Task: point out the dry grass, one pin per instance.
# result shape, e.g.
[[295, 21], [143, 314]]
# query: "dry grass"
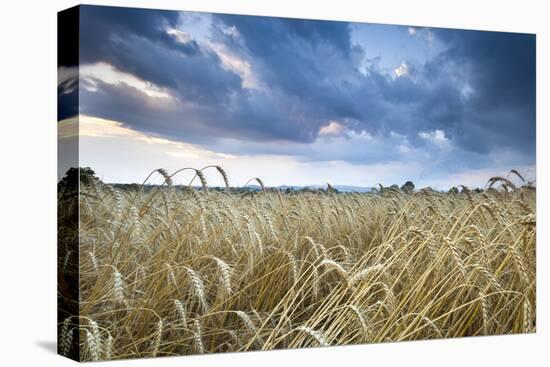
[[175, 272]]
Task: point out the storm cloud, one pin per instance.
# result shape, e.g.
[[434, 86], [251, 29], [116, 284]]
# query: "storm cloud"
[[262, 85]]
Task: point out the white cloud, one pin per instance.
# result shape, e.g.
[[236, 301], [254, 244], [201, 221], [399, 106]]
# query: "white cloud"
[[436, 137], [236, 64], [199, 27], [109, 74], [333, 128], [363, 134], [231, 31], [466, 91], [89, 126], [402, 70], [179, 35], [425, 33], [68, 77]]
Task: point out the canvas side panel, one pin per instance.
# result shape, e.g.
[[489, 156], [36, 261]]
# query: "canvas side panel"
[[68, 184]]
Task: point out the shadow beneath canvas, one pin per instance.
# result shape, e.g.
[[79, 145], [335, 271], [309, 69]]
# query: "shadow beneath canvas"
[[48, 345]]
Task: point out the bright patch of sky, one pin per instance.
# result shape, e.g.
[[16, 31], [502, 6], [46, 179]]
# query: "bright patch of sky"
[[391, 46]]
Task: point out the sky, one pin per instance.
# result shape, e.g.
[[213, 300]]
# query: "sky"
[[298, 102]]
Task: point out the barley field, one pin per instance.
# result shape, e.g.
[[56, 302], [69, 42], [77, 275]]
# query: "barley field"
[[171, 270]]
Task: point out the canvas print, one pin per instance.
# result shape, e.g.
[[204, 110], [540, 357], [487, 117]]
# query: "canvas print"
[[233, 183]]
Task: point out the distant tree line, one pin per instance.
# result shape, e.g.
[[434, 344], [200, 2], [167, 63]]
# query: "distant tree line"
[[87, 176]]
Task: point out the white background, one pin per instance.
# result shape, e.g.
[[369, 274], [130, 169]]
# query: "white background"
[[28, 182]]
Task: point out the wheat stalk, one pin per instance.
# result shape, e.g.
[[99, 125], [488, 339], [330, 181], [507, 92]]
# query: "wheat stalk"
[[224, 176], [198, 288], [315, 334], [225, 274], [197, 337], [181, 311], [92, 346], [66, 339], [157, 338], [365, 273], [118, 287], [202, 178]]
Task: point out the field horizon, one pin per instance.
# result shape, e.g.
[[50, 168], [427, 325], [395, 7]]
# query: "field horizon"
[[254, 186]]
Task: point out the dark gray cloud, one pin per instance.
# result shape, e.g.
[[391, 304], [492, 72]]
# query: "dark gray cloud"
[[479, 90], [136, 41], [103, 27], [501, 70]]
